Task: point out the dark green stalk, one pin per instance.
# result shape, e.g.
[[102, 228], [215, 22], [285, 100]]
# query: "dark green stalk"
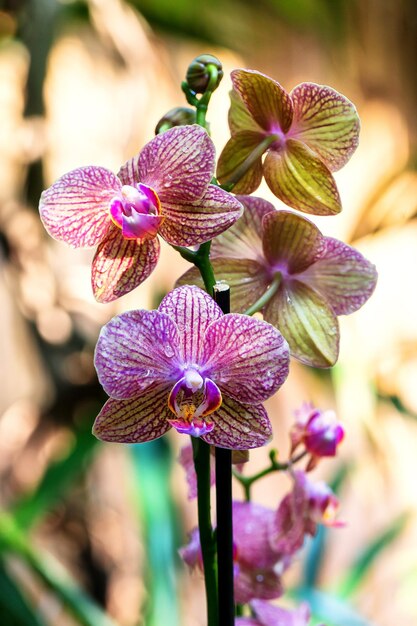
[[224, 531], [247, 481], [201, 455], [265, 297]]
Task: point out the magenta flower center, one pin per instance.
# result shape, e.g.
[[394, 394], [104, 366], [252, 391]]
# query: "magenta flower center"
[[137, 211], [192, 399], [279, 143]]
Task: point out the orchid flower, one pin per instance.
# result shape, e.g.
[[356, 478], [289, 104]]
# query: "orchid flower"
[[314, 278], [189, 366], [299, 513], [257, 567], [268, 615], [163, 190], [306, 135], [318, 431]]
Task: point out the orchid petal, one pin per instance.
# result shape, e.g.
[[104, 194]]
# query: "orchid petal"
[[135, 420], [291, 241], [268, 103], [192, 310], [178, 164], [247, 358], [75, 209], [257, 583], [254, 549], [270, 615], [327, 122], [343, 276], [238, 150], [120, 264], [247, 280], [239, 117], [239, 427], [199, 221], [134, 350], [247, 621], [300, 179], [307, 322], [244, 239]]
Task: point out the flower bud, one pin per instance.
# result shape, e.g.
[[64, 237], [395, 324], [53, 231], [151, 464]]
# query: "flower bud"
[[198, 76], [180, 116], [319, 431]]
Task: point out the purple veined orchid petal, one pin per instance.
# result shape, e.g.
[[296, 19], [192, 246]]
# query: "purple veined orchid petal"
[[137, 349], [199, 221], [235, 154], [291, 243], [239, 117], [192, 310], [136, 420], [244, 239], [307, 321], [239, 427], [75, 209], [327, 122], [178, 164], [268, 103], [247, 358], [120, 264], [298, 177], [343, 276], [247, 621], [270, 615], [248, 280]]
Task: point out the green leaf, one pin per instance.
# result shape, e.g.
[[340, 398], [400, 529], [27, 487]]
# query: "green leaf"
[[152, 496], [79, 604], [58, 476], [329, 609], [370, 554], [14, 609]]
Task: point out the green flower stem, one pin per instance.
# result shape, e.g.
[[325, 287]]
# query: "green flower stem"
[[203, 102], [275, 466], [14, 541], [250, 160], [201, 454], [201, 259], [266, 297]]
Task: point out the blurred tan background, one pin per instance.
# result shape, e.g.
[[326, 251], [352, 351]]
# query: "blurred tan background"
[[85, 83]]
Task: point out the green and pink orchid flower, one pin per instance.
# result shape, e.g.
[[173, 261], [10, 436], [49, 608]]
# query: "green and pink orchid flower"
[[165, 190], [305, 135], [309, 279]]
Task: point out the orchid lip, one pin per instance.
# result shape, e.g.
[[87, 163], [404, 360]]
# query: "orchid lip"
[[192, 399], [137, 211]]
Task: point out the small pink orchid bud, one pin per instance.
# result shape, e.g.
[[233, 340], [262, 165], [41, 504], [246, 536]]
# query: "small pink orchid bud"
[[319, 431]]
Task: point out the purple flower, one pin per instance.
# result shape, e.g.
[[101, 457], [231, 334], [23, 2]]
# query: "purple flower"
[[306, 135], [189, 366], [319, 277], [268, 615], [298, 514], [319, 432], [258, 567], [163, 190]]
